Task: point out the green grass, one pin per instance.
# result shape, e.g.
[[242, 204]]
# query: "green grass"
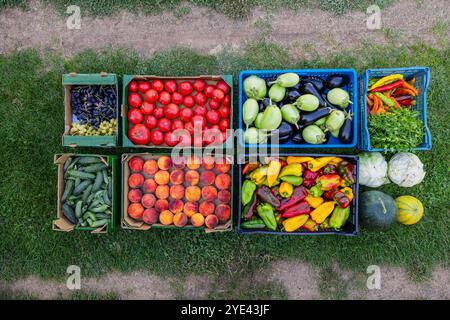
[[231, 8], [31, 114]]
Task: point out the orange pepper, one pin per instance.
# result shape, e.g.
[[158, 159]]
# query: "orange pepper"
[[406, 85]]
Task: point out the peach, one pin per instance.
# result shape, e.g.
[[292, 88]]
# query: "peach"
[[177, 191], [192, 177], [224, 196], [162, 192], [207, 178], [150, 167], [161, 205], [222, 166], [135, 210], [197, 220], [150, 216], [223, 212], [193, 193], [190, 208], [164, 163], [223, 181], [177, 176], [180, 219], [162, 177], [193, 163], [135, 195], [209, 193], [178, 162], [135, 180], [136, 164], [176, 205], [206, 208], [166, 217], [208, 163], [148, 200], [211, 221], [149, 185]]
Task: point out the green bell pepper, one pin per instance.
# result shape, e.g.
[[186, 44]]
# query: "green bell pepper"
[[265, 211]]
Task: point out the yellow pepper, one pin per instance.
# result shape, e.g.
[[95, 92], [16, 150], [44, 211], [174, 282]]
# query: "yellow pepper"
[[322, 212], [293, 169], [272, 172], [318, 163], [294, 223], [314, 201], [348, 192], [286, 189], [292, 159], [335, 161], [259, 175], [386, 80]]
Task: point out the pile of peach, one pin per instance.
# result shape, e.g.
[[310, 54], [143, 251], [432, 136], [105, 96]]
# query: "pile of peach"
[[187, 190]]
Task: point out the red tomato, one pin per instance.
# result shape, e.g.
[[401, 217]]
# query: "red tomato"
[[198, 140], [188, 101], [170, 86], [177, 98], [218, 95], [200, 99], [226, 100], [199, 120], [225, 111], [133, 86], [213, 116], [177, 124], [164, 125], [158, 85], [209, 90], [186, 114], [199, 85], [186, 88], [151, 96], [200, 110], [144, 86], [222, 85], [171, 111], [184, 138], [147, 108], [135, 116], [157, 137], [224, 124], [216, 126], [139, 134], [189, 127], [151, 122], [170, 139], [134, 100], [212, 136], [158, 113], [213, 104], [164, 98]]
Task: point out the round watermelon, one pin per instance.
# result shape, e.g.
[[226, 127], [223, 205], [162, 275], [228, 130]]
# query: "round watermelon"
[[377, 210]]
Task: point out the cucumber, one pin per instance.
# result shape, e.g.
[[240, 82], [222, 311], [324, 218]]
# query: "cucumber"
[[78, 206], [91, 216], [68, 213], [89, 221], [99, 223], [81, 187], [86, 193], [77, 181], [88, 160], [95, 203], [105, 176], [106, 199], [67, 164], [101, 208], [84, 224], [100, 216], [98, 181], [89, 198], [72, 163], [95, 167], [67, 190], [110, 188], [82, 175]]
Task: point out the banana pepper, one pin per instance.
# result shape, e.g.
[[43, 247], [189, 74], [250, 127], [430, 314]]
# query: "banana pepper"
[[292, 159], [318, 163], [294, 223], [314, 201], [272, 172], [322, 212], [339, 217], [293, 169]]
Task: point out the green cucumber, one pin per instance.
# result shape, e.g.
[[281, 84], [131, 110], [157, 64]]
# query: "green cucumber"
[[98, 182], [78, 206], [68, 190], [86, 193], [95, 167], [106, 199], [81, 174], [105, 176], [99, 223], [88, 160], [91, 216], [81, 187], [69, 213], [110, 188], [101, 215], [101, 208], [67, 164]]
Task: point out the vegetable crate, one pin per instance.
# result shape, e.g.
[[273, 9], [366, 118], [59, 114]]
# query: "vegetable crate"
[[74, 79], [174, 195], [422, 75], [209, 79], [322, 74], [350, 228], [62, 223]]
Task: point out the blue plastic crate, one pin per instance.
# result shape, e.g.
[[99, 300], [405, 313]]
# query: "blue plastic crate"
[[320, 73], [351, 227], [422, 75]]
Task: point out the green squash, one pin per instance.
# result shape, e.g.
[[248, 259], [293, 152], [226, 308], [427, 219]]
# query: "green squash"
[[377, 210]]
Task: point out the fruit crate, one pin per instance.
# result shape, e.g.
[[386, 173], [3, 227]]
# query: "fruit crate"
[[127, 222], [210, 80], [351, 227], [422, 75], [75, 79], [62, 223], [351, 88]]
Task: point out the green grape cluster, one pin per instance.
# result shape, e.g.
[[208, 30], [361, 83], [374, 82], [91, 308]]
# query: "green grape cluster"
[[106, 128]]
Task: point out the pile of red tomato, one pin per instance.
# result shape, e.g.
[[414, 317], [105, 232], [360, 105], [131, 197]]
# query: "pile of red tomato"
[[157, 108]]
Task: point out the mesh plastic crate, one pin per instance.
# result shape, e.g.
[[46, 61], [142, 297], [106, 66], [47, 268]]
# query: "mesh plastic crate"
[[422, 75], [319, 73]]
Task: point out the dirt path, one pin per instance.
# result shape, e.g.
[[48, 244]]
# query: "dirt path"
[[306, 32]]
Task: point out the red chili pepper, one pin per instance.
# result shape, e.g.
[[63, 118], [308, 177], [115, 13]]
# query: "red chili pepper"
[[298, 195], [296, 210], [389, 86], [405, 100], [341, 198]]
